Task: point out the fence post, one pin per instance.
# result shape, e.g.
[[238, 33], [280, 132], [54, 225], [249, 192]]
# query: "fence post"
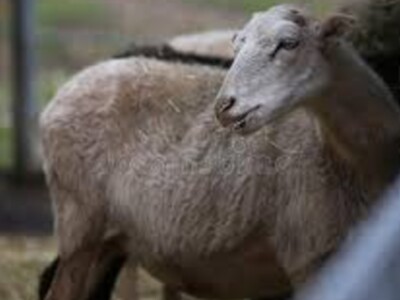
[[24, 109]]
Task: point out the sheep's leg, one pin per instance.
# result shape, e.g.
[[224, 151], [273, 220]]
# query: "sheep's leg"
[[103, 289], [46, 278], [88, 263], [87, 274], [70, 278], [108, 269]]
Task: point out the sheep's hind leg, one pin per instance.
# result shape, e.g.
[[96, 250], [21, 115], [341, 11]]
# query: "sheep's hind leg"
[[46, 278], [108, 268]]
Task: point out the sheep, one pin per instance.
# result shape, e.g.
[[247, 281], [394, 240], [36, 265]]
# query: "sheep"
[[214, 43], [138, 166], [291, 70]]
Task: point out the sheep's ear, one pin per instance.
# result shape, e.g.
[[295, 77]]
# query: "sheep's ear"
[[335, 26]]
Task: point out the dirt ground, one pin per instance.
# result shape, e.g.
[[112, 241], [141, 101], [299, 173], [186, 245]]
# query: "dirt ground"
[[23, 258]]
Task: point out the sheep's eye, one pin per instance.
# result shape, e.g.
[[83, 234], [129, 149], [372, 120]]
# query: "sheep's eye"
[[286, 44], [289, 44]]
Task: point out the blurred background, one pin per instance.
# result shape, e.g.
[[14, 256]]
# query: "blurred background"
[[67, 36]]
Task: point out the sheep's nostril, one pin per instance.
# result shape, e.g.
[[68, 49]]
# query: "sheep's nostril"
[[227, 104], [223, 110]]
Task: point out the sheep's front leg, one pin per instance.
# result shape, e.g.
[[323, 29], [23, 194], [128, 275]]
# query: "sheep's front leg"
[[70, 278], [87, 274]]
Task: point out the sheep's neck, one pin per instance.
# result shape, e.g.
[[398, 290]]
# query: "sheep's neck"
[[358, 117]]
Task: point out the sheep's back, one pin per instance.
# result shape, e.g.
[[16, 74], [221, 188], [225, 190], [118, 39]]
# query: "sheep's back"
[[110, 110]]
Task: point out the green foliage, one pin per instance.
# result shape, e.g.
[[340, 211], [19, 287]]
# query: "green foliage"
[[56, 20], [4, 100], [5, 148], [321, 7], [71, 33], [5, 140], [52, 50], [71, 50], [261, 5], [74, 13], [246, 6], [48, 84]]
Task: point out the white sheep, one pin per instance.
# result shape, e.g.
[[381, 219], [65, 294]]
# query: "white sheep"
[[138, 166]]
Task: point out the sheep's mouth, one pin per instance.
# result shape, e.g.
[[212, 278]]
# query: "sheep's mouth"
[[241, 122]]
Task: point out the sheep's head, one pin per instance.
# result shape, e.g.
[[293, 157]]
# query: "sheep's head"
[[280, 63]]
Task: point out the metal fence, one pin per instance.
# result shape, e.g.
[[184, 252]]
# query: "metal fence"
[[24, 106]]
